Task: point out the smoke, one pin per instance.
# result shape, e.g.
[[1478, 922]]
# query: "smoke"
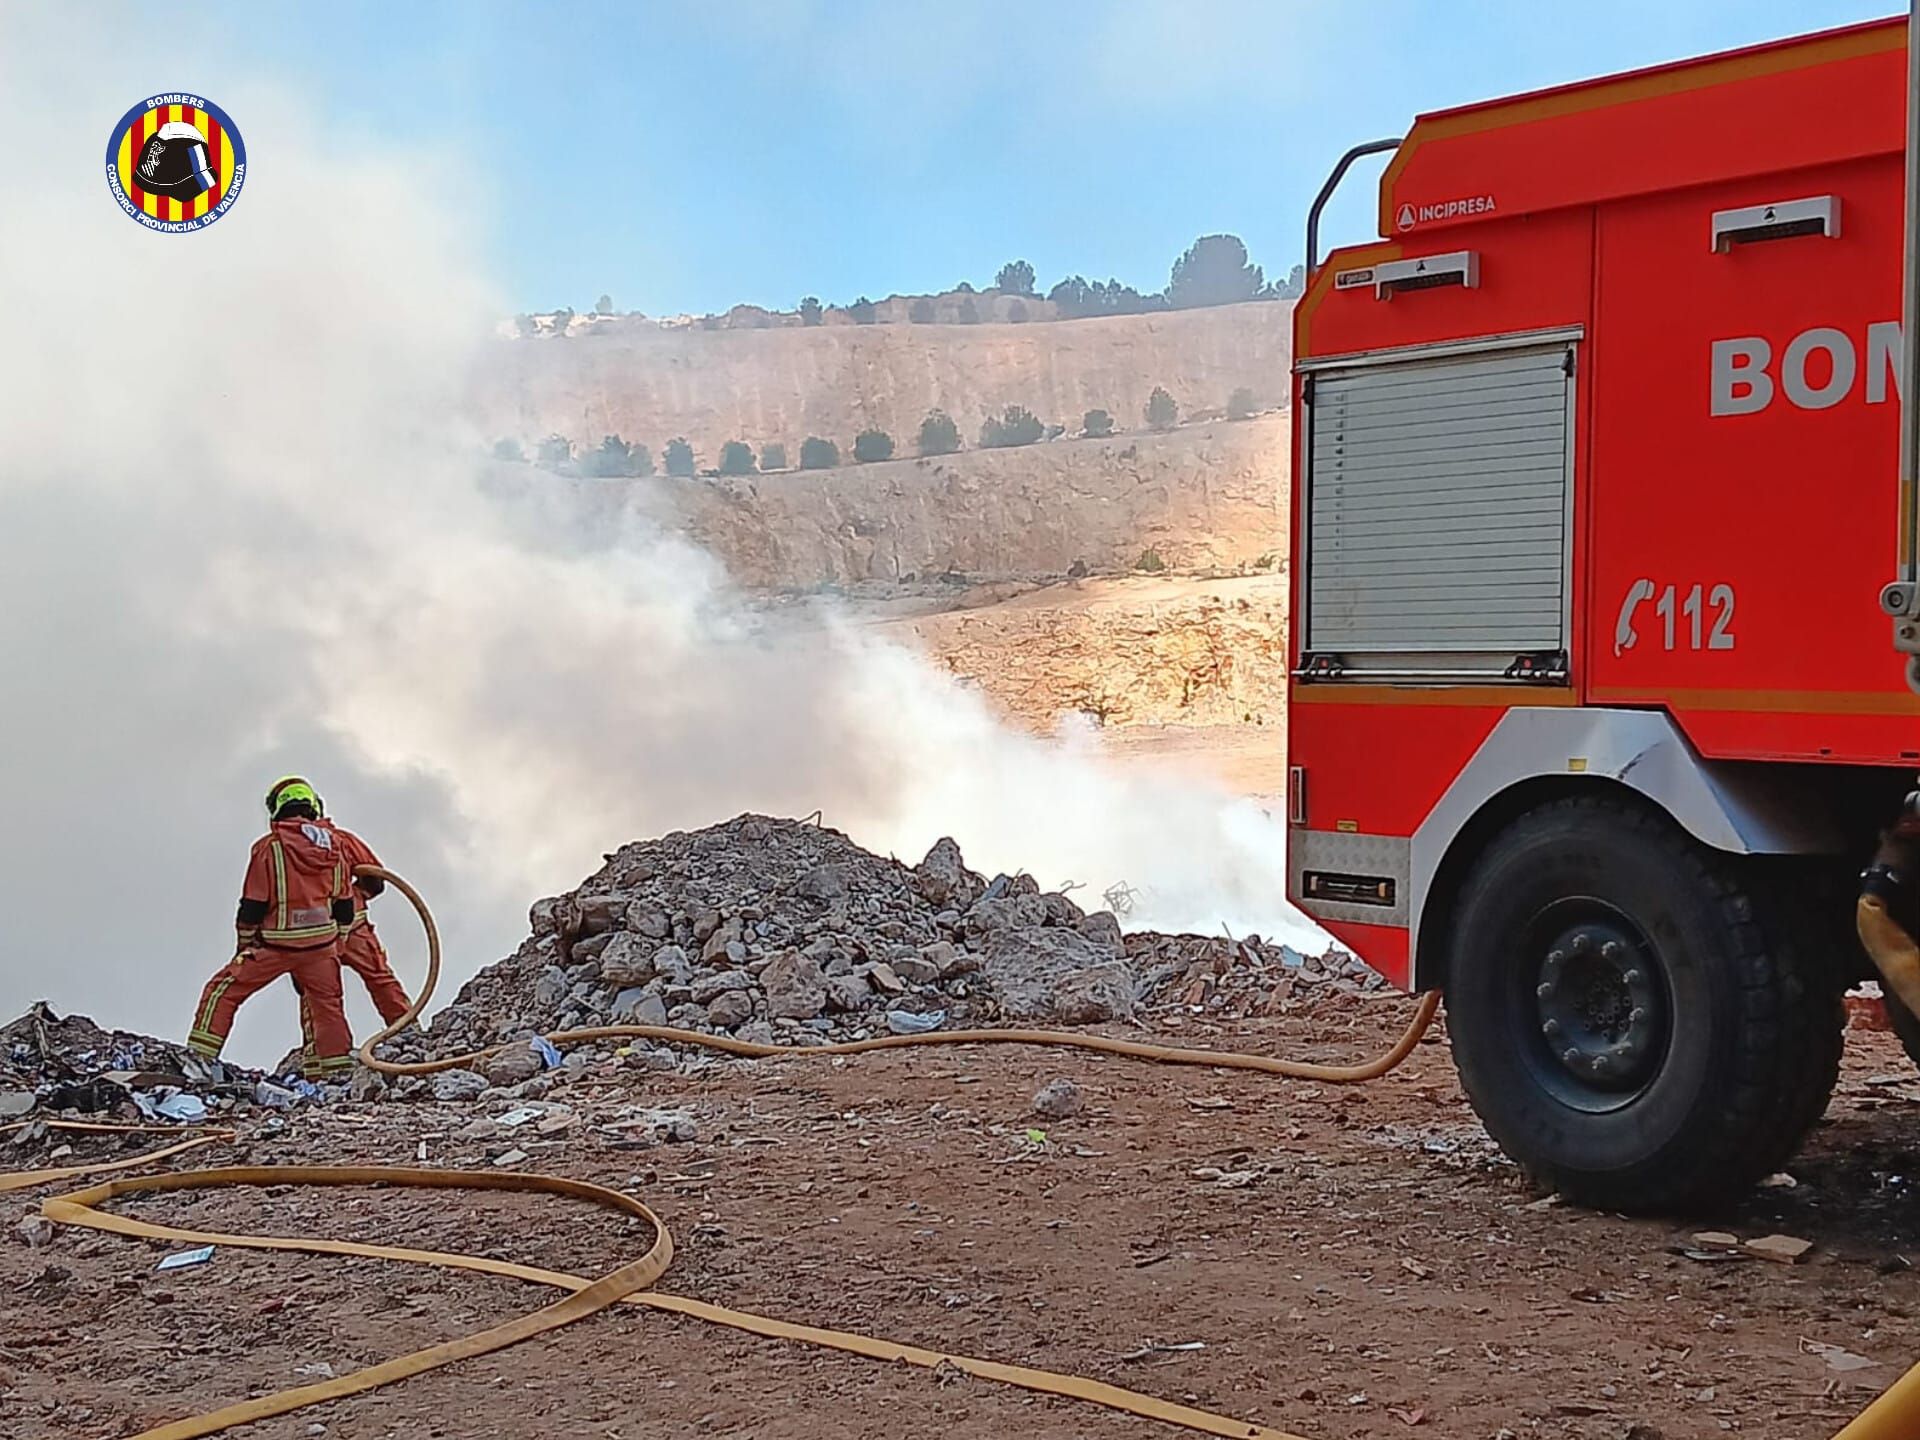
[[241, 534]]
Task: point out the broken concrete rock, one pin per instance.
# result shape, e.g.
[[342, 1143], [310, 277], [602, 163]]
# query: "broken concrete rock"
[[796, 987], [1058, 976], [734, 1007], [627, 960], [1006, 912], [823, 883], [635, 1004], [723, 938], [511, 1066], [551, 988], [671, 962], [846, 993], [948, 959], [915, 969], [1103, 928], [942, 878], [709, 987], [649, 920], [455, 1085]]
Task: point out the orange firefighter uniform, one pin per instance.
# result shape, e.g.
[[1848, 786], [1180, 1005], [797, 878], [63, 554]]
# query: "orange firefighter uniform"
[[293, 908], [360, 948]]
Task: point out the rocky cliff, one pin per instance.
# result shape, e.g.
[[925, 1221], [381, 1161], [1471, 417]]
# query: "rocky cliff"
[[1204, 496], [781, 385]]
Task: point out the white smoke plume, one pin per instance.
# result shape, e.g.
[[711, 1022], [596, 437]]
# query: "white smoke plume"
[[241, 534]]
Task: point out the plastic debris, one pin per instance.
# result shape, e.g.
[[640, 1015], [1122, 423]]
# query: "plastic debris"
[[181, 1259], [183, 1106], [1837, 1357], [518, 1117], [906, 1022], [547, 1052], [273, 1096]]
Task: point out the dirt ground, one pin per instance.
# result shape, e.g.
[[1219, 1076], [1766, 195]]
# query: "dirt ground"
[[1380, 1269]]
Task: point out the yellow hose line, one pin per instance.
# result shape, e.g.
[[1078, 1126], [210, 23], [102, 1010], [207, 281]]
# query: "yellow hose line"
[[630, 1283]]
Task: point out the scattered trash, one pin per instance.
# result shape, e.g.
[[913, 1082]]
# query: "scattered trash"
[[1780, 1180], [1153, 1348], [1408, 1417], [1227, 1179], [1036, 1137], [515, 1118], [36, 1231], [906, 1022], [547, 1052], [274, 1097], [184, 1106], [14, 1103], [1781, 1249], [1837, 1357], [317, 1370], [181, 1259]]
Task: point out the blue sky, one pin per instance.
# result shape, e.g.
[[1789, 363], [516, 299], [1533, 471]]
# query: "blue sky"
[[686, 156]]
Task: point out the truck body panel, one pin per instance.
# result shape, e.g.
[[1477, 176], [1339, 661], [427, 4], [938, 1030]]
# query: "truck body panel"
[[1709, 253]]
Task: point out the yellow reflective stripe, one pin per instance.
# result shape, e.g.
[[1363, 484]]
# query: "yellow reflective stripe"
[[280, 881], [310, 932], [205, 1020]]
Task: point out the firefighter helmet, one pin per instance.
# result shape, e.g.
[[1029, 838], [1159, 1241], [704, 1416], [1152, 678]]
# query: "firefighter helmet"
[[174, 162], [292, 787]]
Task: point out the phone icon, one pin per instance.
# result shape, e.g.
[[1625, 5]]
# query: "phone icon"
[[1624, 635]]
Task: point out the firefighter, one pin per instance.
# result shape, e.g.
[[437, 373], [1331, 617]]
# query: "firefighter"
[[360, 948], [294, 906]]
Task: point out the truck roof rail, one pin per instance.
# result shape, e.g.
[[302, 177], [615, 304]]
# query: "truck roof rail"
[[1372, 147]]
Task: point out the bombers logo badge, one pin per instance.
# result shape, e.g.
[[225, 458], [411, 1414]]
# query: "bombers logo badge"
[[175, 162]]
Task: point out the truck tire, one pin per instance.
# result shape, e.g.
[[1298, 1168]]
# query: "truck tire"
[[1625, 1024]]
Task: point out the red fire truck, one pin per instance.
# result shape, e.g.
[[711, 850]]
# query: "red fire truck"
[[1598, 526]]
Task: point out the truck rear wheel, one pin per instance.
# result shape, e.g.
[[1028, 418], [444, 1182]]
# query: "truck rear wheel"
[[1624, 1024]]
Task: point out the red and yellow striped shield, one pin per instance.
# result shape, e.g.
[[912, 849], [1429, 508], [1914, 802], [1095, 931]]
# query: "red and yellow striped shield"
[[225, 162]]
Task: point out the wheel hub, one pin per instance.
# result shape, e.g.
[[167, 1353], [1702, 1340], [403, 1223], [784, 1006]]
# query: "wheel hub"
[[1601, 1009]]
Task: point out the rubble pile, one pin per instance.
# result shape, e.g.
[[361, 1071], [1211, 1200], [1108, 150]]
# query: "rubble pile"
[[786, 932], [53, 1064]]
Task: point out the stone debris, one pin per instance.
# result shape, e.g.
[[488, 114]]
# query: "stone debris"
[[1781, 1249], [454, 1085], [1057, 1100], [788, 933]]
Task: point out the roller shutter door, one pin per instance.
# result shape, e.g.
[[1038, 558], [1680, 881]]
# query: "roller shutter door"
[[1438, 505]]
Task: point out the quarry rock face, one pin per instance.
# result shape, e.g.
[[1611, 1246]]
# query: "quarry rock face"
[[789, 933]]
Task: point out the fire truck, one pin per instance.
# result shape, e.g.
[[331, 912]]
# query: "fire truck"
[[1604, 564]]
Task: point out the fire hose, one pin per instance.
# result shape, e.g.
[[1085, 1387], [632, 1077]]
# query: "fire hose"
[[632, 1283]]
